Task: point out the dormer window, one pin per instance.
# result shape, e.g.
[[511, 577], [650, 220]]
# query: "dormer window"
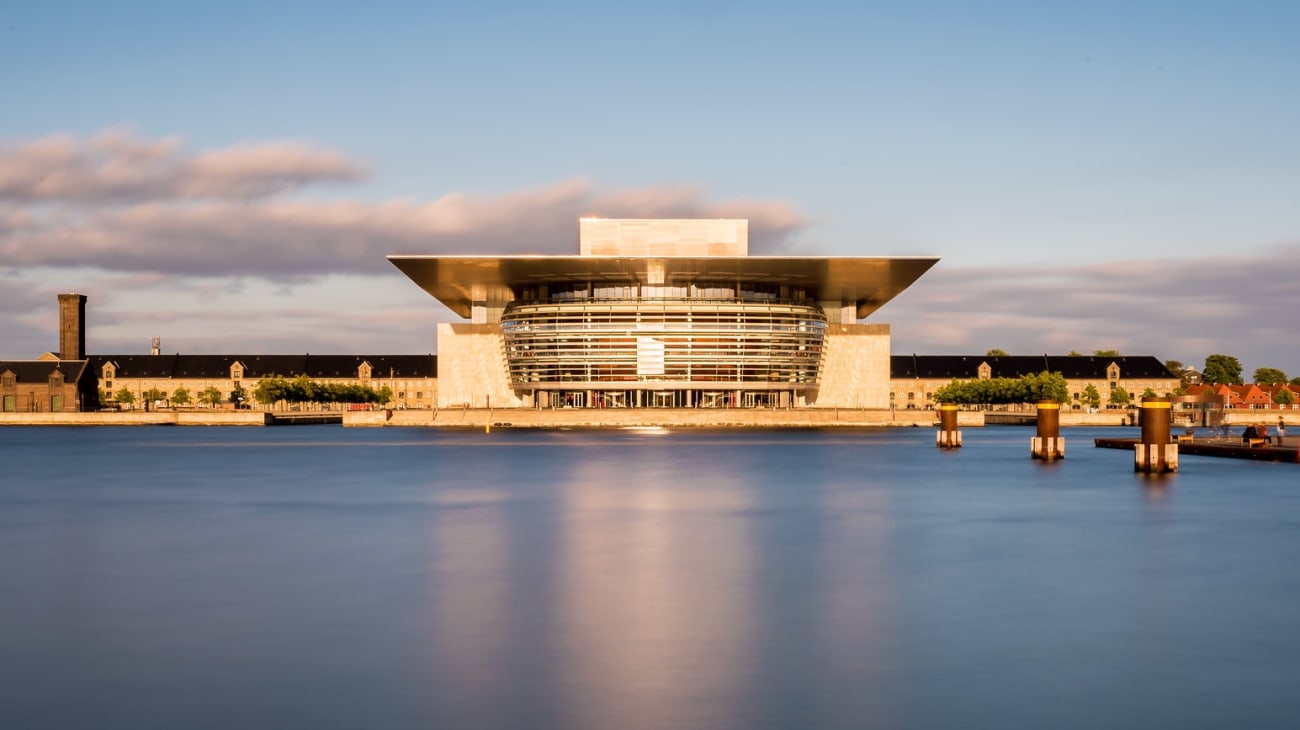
[[56, 379], [363, 372], [8, 379], [985, 371], [237, 371]]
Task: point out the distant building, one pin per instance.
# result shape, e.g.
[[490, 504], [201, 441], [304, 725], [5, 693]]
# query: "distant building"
[[55, 381], [915, 378], [413, 379], [42, 386], [1248, 395]]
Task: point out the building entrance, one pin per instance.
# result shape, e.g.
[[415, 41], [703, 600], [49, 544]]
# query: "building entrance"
[[664, 399]]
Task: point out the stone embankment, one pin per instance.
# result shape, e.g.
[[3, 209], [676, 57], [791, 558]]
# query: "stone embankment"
[[631, 418], [138, 418]]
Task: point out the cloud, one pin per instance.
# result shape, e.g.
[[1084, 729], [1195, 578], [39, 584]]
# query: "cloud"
[[136, 221], [1179, 309], [116, 167], [284, 239]]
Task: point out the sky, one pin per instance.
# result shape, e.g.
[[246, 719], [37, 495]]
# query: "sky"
[[230, 176]]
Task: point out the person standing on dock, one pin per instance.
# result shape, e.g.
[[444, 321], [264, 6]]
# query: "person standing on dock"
[[1281, 431]]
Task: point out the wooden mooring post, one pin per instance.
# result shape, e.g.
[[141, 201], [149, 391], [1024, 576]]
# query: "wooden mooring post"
[[1048, 445], [1154, 453], [948, 436]]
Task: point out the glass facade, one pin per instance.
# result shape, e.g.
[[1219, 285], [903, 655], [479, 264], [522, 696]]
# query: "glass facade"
[[668, 349]]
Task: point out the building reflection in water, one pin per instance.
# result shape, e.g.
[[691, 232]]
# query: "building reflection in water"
[[854, 608], [472, 600], [657, 587], [655, 601]]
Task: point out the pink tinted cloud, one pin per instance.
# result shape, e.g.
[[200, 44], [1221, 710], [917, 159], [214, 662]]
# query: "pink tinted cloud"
[[291, 239], [117, 167]]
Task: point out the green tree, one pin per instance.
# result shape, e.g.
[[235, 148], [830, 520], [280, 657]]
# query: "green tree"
[[124, 396], [1149, 392], [272, 390], [1283, 397], [384, 395], [104, 397], [1045, 386], [1074, 353], [181, 396], [1295, 381], [302, 389], [1269, 376], [153, 395], [995, 352], [1120, 397], [1222, 370], [1175, 367], [1091, 397], [1105, 353], [238, 395], [210, 396], [994, 391]]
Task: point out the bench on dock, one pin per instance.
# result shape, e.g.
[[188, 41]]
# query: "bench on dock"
[[1255, 443]]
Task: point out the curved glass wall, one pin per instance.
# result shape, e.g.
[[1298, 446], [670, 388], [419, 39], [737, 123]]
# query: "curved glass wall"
[[714, 344]]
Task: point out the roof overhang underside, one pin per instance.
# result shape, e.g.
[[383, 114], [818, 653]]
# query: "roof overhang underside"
[[460, 281]]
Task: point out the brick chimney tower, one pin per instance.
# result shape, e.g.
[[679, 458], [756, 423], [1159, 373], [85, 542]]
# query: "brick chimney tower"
[[72, 327]]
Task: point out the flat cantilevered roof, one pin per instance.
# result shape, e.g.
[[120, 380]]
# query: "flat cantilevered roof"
[[865, 282]]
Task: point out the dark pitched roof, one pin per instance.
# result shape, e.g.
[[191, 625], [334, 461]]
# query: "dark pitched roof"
[[396, 366], [39, 371], [935, 367], [1073, 367], [136, 366], [217, 367]]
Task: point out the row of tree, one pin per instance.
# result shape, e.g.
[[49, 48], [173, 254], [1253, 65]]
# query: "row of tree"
[[1226, 370], [989, 391], [1027, 389], [180, 397], [301, 389]]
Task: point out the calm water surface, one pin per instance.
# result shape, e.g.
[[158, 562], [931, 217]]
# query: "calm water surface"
[[312, 577]]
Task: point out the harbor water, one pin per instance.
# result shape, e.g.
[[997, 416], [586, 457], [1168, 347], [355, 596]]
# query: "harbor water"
[[317, 577]]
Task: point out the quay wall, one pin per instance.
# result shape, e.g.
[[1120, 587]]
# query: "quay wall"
[[137, 418], [627, 417], [618, 417]]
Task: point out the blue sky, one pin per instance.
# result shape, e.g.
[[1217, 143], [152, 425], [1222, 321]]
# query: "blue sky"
[[228, 176]]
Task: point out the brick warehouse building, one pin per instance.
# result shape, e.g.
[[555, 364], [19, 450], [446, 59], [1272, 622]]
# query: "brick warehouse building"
[[56, 381]]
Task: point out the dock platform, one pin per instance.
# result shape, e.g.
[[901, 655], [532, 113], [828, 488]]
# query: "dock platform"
[[1231, 448]]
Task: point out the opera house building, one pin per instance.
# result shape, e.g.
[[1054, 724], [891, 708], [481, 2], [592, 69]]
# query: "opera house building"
[[663, 314]]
